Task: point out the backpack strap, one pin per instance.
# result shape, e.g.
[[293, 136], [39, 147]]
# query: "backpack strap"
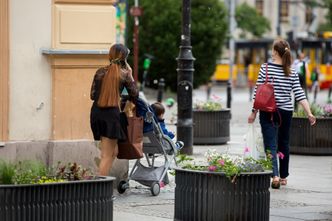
[[266, 74]]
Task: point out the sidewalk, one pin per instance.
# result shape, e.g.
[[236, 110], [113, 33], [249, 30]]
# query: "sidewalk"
[[308, 195]]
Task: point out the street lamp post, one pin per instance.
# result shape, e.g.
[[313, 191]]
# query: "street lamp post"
[[232, 27], [185, 82], [279, 19]]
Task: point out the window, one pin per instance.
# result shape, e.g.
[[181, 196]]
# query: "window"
[[284, 10], [308, 15], [260, 7]]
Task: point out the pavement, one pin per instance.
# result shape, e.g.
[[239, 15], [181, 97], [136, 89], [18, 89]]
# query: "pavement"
[[308, 195]]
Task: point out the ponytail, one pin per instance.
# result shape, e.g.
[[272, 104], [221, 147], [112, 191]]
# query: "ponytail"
[[286, 62], [109, 93], [282, 47]]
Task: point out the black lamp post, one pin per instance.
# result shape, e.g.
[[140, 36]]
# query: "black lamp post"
[[185, 83]]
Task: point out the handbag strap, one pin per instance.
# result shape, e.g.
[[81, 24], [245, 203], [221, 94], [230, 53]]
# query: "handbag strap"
[[266, 74]]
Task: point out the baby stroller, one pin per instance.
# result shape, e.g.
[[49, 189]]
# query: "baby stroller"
[[155, 144]]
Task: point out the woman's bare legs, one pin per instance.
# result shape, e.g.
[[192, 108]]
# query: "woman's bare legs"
[[109, 150]]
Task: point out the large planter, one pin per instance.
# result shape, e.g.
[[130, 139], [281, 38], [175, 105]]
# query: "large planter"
[[311, 140], [211, 127], [73, 201], [210, 196]]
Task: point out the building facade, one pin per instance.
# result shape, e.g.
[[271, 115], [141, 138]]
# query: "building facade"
[[294, 16], [50, 50]]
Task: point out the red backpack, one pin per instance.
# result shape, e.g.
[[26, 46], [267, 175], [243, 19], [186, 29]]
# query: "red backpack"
[[265, 100]]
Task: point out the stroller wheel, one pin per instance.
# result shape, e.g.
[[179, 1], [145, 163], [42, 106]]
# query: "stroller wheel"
[[155, 188], [122, 186]]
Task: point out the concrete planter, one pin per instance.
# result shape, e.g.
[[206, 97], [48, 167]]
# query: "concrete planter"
[[211, 196], [311, 140], [88, 200], [211, 127]]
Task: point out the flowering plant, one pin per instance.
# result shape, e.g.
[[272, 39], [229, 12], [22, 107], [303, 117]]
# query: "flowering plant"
[[211, 105], [317, 110], [30, 172], [327, 110], [231, 165]]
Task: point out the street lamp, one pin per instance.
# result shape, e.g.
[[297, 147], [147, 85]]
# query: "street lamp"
[[185, 83]]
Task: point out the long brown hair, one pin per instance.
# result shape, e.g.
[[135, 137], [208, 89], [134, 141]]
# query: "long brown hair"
[[283, 49], [109, 92]]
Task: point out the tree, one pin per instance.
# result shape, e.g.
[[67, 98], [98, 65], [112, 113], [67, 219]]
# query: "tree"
[[327, 4], [249, 20], [327, 26], [160, 30]]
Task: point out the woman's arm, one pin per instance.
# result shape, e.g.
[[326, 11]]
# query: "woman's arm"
[[304, 103], [130, 84]]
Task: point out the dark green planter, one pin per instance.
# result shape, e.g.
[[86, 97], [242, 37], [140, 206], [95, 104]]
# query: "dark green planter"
[[311, 140], [89, 200], [209, 196], [211, 127]]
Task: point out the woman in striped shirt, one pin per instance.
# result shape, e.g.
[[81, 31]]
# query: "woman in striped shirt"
[[285, 81]]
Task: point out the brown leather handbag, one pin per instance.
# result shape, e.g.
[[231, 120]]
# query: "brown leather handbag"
[[132, 147]]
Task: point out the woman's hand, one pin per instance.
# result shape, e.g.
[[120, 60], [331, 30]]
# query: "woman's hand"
[[252, 117], [306, 107], [312, 119], [129, 72]]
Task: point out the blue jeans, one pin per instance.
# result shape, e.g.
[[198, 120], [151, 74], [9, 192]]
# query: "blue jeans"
[[276, 139]]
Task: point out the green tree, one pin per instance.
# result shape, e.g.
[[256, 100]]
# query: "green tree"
[[249, 20], [327, 4], [327, 26], [160, 30]]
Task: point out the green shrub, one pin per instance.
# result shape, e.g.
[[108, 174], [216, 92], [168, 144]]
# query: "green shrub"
[[7, 172], [208, 106], [28, 172], [32, 172], [316, 110]]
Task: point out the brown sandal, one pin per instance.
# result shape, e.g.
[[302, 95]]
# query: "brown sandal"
[[275, 183], [283, 181]]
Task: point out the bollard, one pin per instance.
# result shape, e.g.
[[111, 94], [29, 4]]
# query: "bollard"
[[161, 86]]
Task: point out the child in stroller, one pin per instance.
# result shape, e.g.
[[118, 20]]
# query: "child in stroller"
[[155, 144], [159, 111]]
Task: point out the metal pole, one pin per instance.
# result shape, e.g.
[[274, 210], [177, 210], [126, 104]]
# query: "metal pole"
[[161, 86], [136, 41], [279, 19], [232, 27], [185, 83]]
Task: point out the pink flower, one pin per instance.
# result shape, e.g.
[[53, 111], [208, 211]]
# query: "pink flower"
[[246, 150], [281, 155], [215, 97], [221, 162], [212, 168]]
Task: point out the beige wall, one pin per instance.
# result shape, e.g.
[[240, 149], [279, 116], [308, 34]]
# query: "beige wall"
[[83, 26], [30, 78]]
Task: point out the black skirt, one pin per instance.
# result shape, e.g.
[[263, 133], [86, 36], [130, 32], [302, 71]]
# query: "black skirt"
[[107, 122]]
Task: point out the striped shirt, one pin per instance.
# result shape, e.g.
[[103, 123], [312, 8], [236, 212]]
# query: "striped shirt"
[[283, 85]]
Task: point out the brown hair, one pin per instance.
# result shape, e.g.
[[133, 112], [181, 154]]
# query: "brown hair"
[[109, 92], [158, 108], [283, 49]]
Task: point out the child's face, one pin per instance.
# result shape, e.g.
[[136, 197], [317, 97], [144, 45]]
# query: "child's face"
[[161, 116]]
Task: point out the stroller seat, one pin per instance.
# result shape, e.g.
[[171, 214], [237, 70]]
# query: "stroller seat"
[[155, 144]]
